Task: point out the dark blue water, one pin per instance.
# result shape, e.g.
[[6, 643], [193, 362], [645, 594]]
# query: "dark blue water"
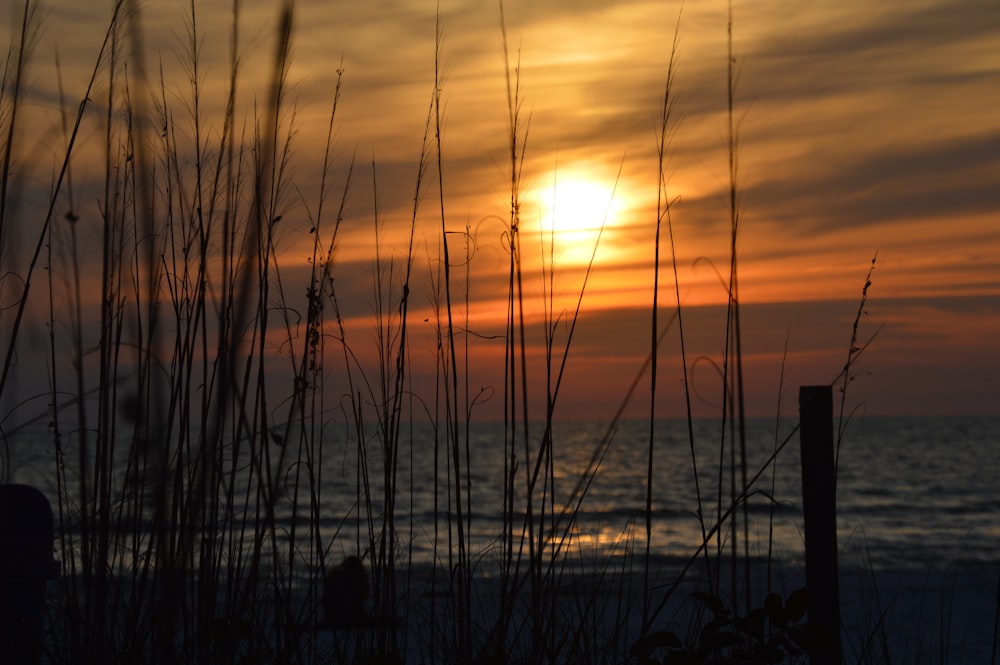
[[913, 493]]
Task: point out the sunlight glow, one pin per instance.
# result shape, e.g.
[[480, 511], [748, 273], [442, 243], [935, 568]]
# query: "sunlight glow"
[[571, 210], [576, 204]]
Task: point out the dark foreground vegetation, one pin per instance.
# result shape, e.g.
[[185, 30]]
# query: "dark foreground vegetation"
[[192, 523]]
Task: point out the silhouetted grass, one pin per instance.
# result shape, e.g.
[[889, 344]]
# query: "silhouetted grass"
[[193, 512]]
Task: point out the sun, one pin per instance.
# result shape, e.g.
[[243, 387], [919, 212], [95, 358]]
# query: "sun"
[[575, 205], [576, 217]]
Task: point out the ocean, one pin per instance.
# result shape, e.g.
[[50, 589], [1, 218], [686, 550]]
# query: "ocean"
[[917, 509], [912, 493]]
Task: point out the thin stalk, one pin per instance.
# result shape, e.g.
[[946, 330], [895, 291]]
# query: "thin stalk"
[[662, 211], [735, 338], [16, 93], [462, 572], [854, 351], [517, 140], [774, 471]]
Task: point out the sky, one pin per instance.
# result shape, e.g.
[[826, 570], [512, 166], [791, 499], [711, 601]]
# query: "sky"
[[863, 130]]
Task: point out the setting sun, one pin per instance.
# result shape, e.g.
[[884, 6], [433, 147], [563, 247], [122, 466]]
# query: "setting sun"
[[575, 204], [576, 214]]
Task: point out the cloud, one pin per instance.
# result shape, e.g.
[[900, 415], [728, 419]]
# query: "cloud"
[[942, 179]]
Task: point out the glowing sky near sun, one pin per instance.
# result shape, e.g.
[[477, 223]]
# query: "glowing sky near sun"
[[862, 127]]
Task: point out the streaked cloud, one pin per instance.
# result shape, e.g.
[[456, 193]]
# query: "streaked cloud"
[[862, 127]]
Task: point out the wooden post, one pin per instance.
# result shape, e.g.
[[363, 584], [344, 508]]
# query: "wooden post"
[[820, 512]]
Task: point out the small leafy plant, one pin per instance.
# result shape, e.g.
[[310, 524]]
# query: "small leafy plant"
[[775, 632]]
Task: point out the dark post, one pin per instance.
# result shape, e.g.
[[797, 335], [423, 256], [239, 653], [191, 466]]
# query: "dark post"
[[819, 506], [26, 543]]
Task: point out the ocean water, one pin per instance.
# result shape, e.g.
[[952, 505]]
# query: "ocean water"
[[912, 493], [917, 507]]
